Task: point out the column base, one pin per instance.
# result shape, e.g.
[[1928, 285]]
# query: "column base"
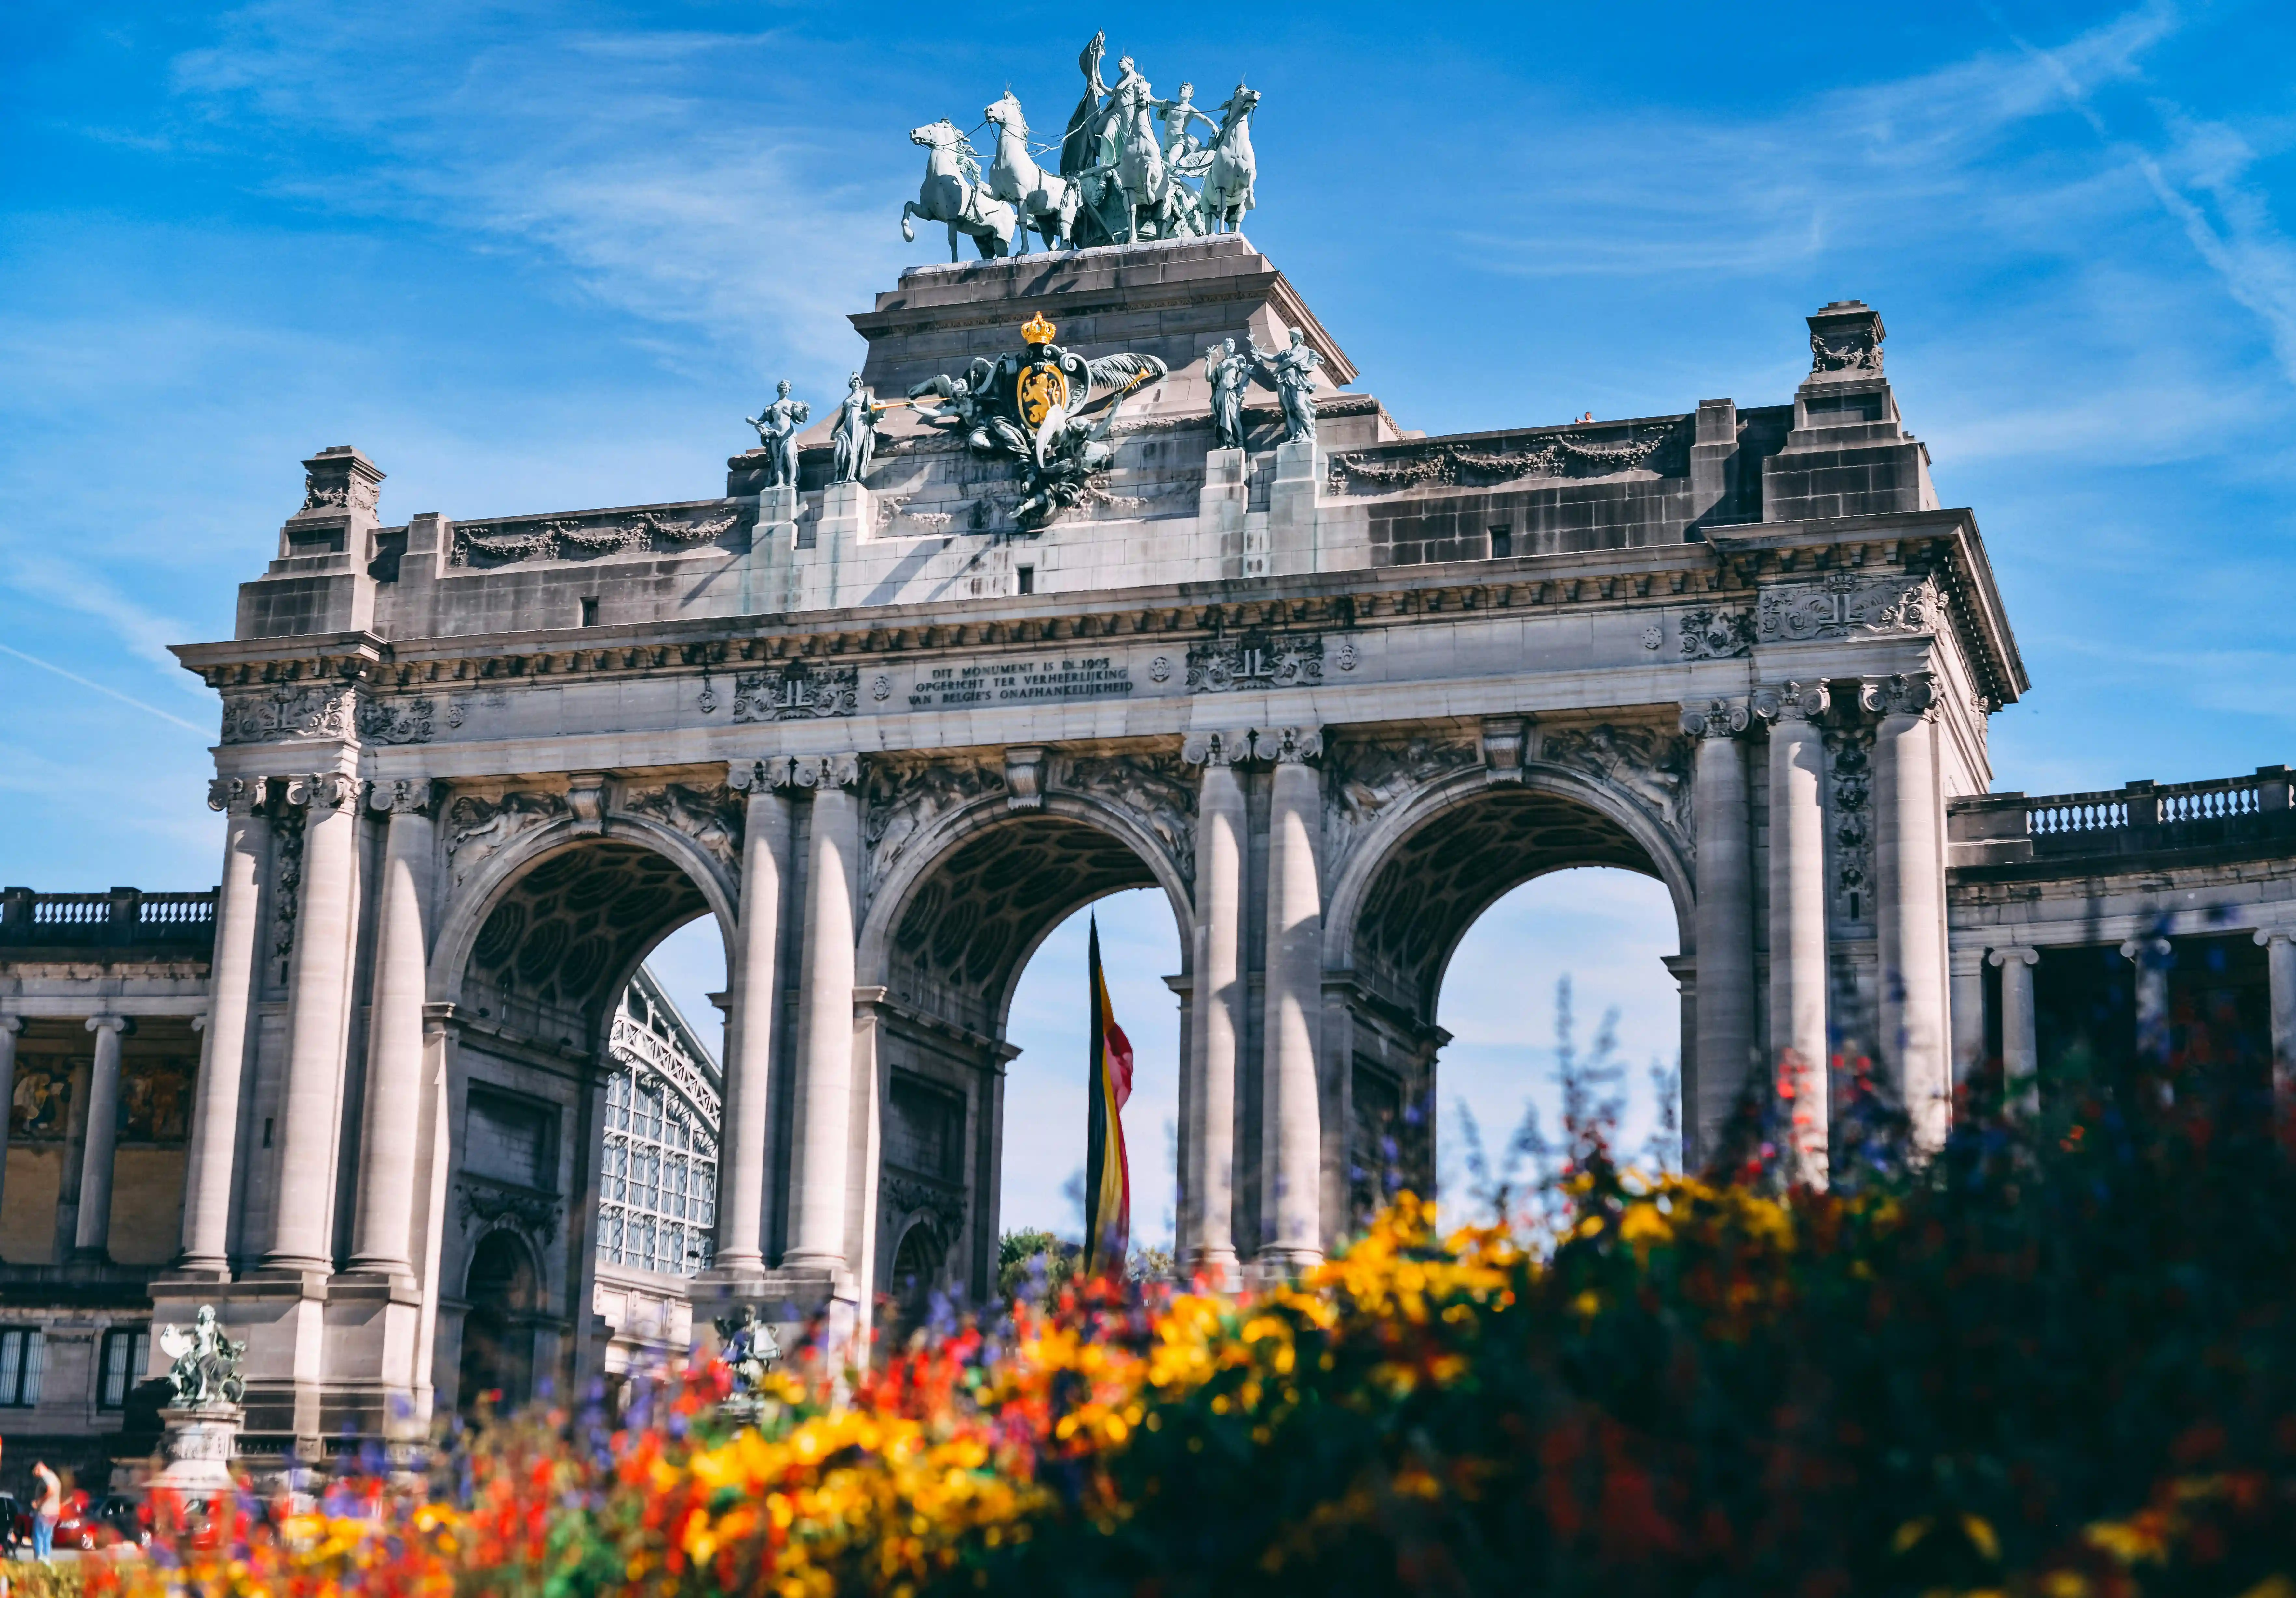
[[1217, 1268], [1274, 1265]]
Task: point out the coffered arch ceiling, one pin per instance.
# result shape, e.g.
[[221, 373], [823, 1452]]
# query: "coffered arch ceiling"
[[1461, 861], [974, 919], [566, 935]]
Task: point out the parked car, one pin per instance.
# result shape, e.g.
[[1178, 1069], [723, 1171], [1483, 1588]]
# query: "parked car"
[[102, 1523], [15, 1525]]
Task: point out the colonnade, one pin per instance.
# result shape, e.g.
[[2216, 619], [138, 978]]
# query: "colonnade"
[[1907, 834]]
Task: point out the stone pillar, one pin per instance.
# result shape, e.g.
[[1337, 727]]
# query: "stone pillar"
[[208, 1166], [825, 1017], [1798, 1043], [382, 1241], [747, 1129], [302, 1226], [10, 1026], [1965, 972], [1207, 1241], [92, 1238], [1291, 1121], [2021, 1048], [2152, 956], [1910, 912], [1726, 925], [2280, 970]]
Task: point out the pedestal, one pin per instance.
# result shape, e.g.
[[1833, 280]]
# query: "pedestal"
[[1223, 509], [199, 1445], [1292, 508], [833, 576]]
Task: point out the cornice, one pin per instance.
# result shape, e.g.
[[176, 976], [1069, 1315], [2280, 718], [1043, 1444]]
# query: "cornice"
[[1733, 563]]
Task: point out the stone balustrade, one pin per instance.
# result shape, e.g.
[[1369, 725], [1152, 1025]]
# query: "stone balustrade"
[[123, 918], [2136, 818]]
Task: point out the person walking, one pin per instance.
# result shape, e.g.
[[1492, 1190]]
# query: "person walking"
[[47, 1505]]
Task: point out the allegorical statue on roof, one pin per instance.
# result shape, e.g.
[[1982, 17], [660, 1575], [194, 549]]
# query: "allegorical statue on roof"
[[1049, 409], [1126, 157], [1290, 371], [777, 427], [853, 436]]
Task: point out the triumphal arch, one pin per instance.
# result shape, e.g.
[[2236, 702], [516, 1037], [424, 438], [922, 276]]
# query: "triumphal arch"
[[1103, 572]]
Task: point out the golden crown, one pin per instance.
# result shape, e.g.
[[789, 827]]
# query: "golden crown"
[[1036, 330]]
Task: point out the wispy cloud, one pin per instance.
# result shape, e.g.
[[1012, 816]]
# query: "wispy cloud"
[[75, 586], [90, 683]]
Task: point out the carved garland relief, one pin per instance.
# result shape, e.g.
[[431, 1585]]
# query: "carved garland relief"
[[1844, 607]]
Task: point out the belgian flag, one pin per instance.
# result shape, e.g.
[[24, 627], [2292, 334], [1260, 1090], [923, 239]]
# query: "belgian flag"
[[1107, 1175]]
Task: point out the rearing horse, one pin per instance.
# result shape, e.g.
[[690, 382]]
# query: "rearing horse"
[[1046, 200], [953, 193], [1227, 183]]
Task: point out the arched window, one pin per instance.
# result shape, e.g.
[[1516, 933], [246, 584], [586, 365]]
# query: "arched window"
[[658, 1187]]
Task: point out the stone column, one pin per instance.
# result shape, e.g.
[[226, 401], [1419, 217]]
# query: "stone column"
[[208, 1165], [2280, 970], [1291, 1141], [747, 1130], [317, 976], [2021, 1048], [1208, 1186], [1726, 925], [92, 1239], [825, 1018], [1798, 1045], [1965, 975], [1910, 910], [383, 1239], [2153, 954], [10, 1026]]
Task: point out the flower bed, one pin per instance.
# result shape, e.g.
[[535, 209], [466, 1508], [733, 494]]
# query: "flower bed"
[[2059, 1359]]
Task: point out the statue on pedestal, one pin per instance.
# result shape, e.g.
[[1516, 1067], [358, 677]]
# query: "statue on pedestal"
[[749, 1350], [853, 436], [206, 1372], [1292, 373], [777, 427], [1228, 372]]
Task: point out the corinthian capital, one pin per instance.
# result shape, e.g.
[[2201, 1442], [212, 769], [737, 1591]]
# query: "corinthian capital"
[[1217, 748], [236, 796], [321, 790], [402, 796], [1716, 718], [819, 771], [1907, 693], [1792, 701], [1288, 746]]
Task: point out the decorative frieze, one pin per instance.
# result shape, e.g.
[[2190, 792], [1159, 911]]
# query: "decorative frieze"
[[1368, 776], [1714, 632], [395, 720], [483, 1203], [1256, 661], [1844, 606], [584, 537], [908, 793], [798, 691], [1558, 455], [289, 711]]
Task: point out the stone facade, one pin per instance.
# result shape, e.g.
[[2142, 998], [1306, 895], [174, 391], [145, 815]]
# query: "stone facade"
[[1332, 698]]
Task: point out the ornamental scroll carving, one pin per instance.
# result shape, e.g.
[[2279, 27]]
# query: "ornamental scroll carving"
[[289, 712], [1651, 766], [906, 795], [1844, 607], [395, 720], [1561, 455], [797, 692], [1256, 661], [1152, 788], [712, 817], [1711, 632], [477, 827]]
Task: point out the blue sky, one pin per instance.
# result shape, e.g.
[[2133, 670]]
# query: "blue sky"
[[546, 256]]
